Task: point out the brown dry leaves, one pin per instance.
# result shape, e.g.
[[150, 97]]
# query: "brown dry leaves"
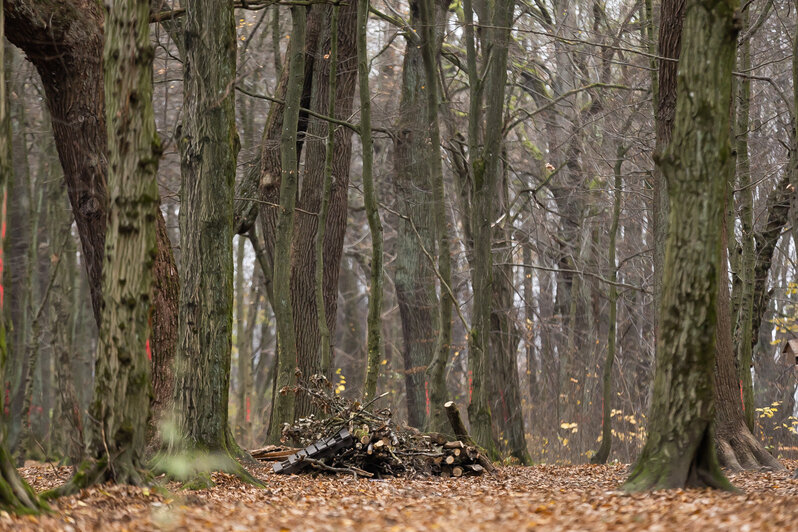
[[516, 499]]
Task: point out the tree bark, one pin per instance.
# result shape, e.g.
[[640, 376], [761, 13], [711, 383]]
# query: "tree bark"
[[120, 409], [679, 450], [374, 319], [284, 401], [737, 447], [208, 146]]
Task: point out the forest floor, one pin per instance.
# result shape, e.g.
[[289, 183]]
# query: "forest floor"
[[584, 498]]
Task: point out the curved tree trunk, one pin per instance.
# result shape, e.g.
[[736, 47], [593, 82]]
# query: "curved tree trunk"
[[64, 41]]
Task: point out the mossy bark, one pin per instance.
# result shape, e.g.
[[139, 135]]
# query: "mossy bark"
[[116, 438], [374, 319], [679, 450], [64, 41], [208, 146]]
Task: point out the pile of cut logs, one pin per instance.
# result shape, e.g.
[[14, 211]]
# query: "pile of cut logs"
[[369, 444]]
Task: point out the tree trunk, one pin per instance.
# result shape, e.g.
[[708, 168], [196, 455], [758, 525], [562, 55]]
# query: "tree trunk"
[[64, 41], [283, 309], [747, 260], [120, 409], [486, 168], [679, 450], [670, 44], [435, 382], [208, 145], [374, 319], [737, 447], [603, 453]]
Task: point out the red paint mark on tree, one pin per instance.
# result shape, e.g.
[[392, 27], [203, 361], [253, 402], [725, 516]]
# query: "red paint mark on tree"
[[149, 351], [426, 395], [248, 410], [742, 399]]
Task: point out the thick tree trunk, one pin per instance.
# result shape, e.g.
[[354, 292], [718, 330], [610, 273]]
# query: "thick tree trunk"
[[117, 437], [669, 46], [208, 145], [679, 450], [414, 277], [64, 41]]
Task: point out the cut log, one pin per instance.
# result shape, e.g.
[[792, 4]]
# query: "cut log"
[[449, 460], [457, 471], [454, 445], [453, 413]]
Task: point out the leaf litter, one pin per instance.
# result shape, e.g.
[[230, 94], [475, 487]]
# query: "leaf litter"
[[544, 497]]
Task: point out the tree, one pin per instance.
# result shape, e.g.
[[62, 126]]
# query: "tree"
[[679, 450], [64, 41], [430, 12], [119, 412], [208, 146], [606, 405], [414, 274], [289, 162], [485, 170], [374, 320]]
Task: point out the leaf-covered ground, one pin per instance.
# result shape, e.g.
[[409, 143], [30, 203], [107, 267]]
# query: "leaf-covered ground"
[[540, 498]]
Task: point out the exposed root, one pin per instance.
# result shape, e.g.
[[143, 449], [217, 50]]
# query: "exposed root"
[[16, 496], [743, 452], [661, 469], [93, 472]]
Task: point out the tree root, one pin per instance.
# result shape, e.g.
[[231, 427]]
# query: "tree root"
[[16, 496], [743, 452], [93, 472], [660, 467]]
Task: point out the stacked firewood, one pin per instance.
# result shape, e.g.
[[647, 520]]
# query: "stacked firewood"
[[368, 443]]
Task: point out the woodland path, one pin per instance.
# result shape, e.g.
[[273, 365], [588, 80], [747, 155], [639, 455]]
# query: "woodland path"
[[584, 498]]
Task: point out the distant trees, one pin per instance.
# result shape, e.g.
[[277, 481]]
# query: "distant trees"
[[506, 158], [15, 494]]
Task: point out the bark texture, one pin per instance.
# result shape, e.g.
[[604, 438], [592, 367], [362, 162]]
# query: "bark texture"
[[208, 145], [679, 450], [119, 411]]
